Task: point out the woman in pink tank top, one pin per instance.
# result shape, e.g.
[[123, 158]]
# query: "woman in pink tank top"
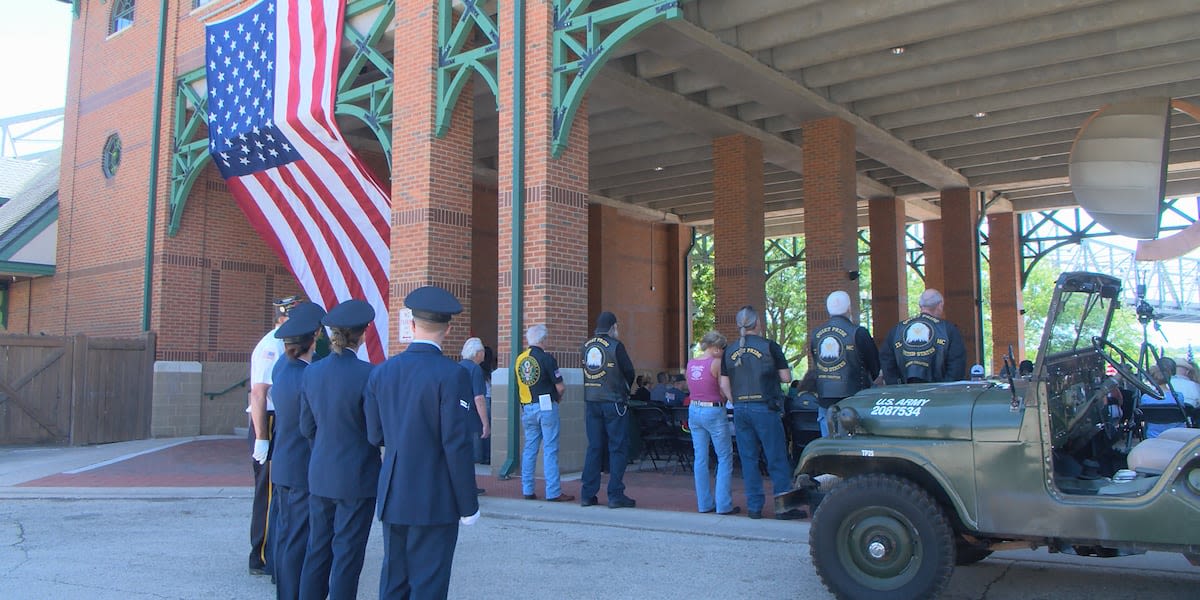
[[710, 424]]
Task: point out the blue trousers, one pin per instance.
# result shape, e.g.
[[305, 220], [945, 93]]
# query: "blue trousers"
[[417, 561], [607, 427], [756, 425], [291, 539], [337, 545]]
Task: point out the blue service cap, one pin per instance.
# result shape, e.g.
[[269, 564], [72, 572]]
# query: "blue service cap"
[[350, 314], [286, 304], [432, 303], [303, 319]]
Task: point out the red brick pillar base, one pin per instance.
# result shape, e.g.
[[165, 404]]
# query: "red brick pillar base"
[[889, 284], [1004, 258], [960, 217]]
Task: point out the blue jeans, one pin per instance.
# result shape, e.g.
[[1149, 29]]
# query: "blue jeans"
[[823, 420], [756, 424], [607, 425], [712, 423], [541, 427]]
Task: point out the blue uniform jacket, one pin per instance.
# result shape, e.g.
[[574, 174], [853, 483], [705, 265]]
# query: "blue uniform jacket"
[[417, 405], [289, 460], [344, 465]]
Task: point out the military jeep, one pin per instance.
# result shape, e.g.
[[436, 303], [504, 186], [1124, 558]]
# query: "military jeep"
[[915, 479]]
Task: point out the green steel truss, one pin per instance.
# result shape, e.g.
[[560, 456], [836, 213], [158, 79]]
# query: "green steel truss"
[[583, 43], [364, 92], [456, 65]]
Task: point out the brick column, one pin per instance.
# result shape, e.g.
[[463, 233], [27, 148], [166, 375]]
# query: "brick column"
[[960, 217], [934, 263], [431, 177], [1004, 258], [889, 282], [830, 214], [555, 247], [739, 272]]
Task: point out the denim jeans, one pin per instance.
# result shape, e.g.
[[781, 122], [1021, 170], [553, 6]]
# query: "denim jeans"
[[823, 420], [607, 425], [755, 424], [541, 426], [712, 423]]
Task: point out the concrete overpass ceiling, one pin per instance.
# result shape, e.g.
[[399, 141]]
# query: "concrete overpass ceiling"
[[941, 93]]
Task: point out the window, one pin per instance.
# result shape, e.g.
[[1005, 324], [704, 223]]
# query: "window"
[[111, 157], [122, 16], [199, 3]]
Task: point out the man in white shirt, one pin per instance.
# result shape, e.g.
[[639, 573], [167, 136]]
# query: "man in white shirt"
[[262, 426]]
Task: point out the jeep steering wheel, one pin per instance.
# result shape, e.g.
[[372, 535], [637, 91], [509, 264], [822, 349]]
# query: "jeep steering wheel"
[[1127, 368]]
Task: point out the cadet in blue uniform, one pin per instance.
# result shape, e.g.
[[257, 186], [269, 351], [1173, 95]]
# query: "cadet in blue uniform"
[[417, 404], [289, 464], [343, 473], [925, 348]]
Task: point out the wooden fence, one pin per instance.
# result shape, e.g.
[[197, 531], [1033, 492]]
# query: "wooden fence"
[[75, 390]]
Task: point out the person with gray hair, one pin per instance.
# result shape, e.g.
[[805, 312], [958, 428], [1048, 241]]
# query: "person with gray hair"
[[753, 370], [844, 357], [540, 388], [479, 425], [925, 348]]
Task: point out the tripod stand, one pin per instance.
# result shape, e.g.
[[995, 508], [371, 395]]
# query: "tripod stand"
[[1146, 316]]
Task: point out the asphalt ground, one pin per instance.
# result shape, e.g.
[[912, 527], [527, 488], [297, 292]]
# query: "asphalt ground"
[[103, 522]]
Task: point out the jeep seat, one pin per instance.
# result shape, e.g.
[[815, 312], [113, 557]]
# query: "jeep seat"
[[1153, 455]]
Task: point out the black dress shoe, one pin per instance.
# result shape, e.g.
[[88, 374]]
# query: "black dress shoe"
[[480, 491], [531, 496], [622, 502], [561, 498], [589, 501], [733, 511], [754, 514], [711, 510], [261, 571]]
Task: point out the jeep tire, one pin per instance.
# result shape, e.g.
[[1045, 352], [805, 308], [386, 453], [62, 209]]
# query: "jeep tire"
[[877, 536]]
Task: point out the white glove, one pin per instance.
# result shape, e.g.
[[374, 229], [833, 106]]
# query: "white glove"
[[261, 447], [469, 520]]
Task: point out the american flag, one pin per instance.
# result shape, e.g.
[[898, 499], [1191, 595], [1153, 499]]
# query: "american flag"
[[272, 77]]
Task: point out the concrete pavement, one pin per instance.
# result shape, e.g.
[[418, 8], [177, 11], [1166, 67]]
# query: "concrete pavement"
[[190, 542]]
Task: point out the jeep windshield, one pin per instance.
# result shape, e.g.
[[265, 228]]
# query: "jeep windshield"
[[1080, 311]]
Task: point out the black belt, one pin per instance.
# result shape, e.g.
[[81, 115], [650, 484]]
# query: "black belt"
[[708, 404]]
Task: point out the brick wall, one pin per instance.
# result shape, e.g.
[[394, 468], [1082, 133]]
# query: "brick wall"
[[889, 285], [1004, 265], [739, 276], [830, 214], [960, 214]]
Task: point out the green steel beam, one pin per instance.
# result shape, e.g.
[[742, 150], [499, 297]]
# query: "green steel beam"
[[456, 65], [581, 49], [364, 92], [30, 269]]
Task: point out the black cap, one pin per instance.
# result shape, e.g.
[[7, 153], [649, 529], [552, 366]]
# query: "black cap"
[[350, 314], [432, 303], [605, 322], [286, 304], [303, 319]]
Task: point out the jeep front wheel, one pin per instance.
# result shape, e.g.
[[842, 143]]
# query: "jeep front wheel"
[[881, 534]]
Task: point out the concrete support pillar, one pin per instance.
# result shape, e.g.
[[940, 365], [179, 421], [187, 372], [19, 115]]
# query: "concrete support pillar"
[[889, 284], [960, 218], [555, 243], [830, 215], [431, 176], [1004, 258], [934, 262], [739, 275]]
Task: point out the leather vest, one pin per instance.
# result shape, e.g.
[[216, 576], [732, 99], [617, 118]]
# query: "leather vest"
[[839, 369], [753, 376], [920, 349], [602, 378]]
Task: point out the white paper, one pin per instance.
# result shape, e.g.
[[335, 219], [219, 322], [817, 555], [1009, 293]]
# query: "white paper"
[[545, 403]]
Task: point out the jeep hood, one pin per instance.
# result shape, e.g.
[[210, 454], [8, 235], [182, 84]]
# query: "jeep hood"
[[921, 411]]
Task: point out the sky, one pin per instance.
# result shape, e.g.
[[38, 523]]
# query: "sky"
[[35, 40]]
